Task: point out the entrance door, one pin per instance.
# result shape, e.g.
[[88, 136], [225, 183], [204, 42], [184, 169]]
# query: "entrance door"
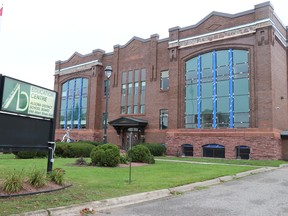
[[130, 135]]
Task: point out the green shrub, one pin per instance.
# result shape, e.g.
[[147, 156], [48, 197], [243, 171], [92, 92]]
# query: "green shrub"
[[30, 154], [26, 154], [57, 176], [13, 182], [156, 149], [105, 155], [124, 158], [42, 154], [95, 143], [73, 150], [37, 178], [140, 153]]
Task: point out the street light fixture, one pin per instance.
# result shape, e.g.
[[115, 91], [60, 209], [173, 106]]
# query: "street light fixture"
[[108, 73]]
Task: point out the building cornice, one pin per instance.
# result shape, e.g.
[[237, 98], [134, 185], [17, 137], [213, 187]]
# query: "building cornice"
[[77, 68], [224, 34]]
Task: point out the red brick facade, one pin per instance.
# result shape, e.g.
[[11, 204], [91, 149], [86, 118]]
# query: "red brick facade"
[[259, 31]]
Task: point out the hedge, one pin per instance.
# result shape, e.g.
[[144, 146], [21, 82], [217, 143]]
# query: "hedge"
[[73, 150], [156, 149]]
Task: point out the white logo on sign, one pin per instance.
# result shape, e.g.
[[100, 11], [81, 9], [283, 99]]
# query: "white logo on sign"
[[12, 95]]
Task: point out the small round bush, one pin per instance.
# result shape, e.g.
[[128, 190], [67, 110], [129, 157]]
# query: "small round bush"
[[140, 153], [105, 155]]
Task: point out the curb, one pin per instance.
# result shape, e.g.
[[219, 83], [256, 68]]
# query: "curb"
[[74, 210]]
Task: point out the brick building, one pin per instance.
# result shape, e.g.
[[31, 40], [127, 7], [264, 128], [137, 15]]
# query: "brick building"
[[214, 89]]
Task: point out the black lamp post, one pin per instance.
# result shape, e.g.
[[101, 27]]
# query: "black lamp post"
[[108, 72]]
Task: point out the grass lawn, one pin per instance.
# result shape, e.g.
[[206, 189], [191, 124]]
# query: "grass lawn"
[[94, 183]]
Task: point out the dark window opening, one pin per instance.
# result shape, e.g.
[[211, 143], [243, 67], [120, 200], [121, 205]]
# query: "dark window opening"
[[213, 150], [187, 150], [242, 152]]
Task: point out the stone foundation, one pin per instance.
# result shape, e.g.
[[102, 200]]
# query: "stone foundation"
[[264, 144]]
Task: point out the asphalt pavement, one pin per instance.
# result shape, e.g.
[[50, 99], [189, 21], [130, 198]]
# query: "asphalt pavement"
[[264, 194]]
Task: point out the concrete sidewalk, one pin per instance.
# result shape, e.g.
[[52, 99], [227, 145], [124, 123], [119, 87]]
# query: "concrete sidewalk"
[[74, 210]]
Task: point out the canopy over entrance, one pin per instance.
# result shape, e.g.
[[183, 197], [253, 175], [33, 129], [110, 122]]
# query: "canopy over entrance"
[[123, 123]]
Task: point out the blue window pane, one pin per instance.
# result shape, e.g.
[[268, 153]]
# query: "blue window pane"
[[191, 92], [240, 68], [240, 56], [241, 103], [191, 107], [223, 88], [206, 120], [241, 86], [223, 71], [222, 58], [223, 120], [191, 65], [191, 121], [206, 60], [207, 106], [223, 105], [207, 90], [241, 117]]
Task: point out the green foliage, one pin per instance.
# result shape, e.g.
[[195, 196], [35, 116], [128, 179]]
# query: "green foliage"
[[42, 154], [106, 155], [156, 149], [30, 154], [140, 153], [26, 154], [57, 176], [124, 158], [73, 150], [13, 182], [95, 143], [37, 178]]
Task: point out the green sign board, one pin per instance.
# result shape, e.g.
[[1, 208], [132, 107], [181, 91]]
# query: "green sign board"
[[23, 98]]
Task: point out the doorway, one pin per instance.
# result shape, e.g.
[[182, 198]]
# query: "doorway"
[[132, 135]]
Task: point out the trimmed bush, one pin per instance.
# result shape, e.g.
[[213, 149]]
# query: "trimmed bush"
[[30, 154], [25, 154], [95, 143], [73, 150], [107, 155], [140, 153], [156, 149]]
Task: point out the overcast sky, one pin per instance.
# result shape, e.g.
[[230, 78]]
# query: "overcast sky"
[[36, 33]]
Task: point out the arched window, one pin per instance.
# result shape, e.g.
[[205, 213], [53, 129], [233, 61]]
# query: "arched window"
[[213, 150], [74, 103], [217, 90], [187, 150], [242, 152]]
